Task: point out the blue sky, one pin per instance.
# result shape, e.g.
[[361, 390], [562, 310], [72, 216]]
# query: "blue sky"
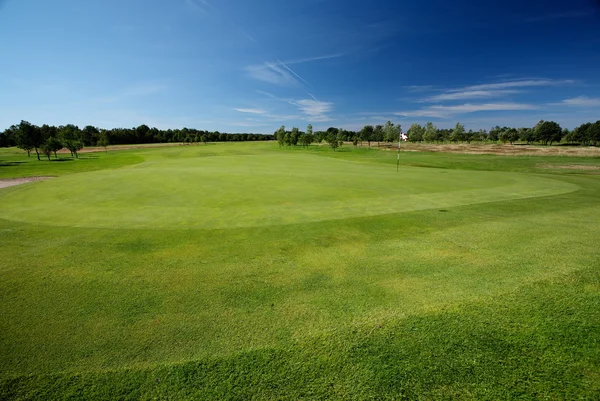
[[251, 66]]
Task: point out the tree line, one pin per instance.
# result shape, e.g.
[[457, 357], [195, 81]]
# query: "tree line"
[[336, 137], [544, 133], [48, 139]]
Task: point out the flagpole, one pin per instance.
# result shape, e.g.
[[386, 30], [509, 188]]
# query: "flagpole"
[[398, 162]]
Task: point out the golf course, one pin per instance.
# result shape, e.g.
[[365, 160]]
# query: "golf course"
[[238, 271]]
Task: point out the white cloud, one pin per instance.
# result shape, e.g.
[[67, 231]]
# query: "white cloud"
[[469, 94], [272, 73], [309, 59], [513, 84], [448, 111], [251, 111], [581, 101], [315, 110]]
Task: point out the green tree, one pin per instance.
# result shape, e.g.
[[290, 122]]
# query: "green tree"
[[294, 136], [52, 145], [458, 133], [430, 134], [341, 137], [366, 134], [494, 134], [593, 133], [29, 137], [416, 133], [469, 136], [280, 135], [526, 135], [71, 139], [378, 134], [548, 132], [391, 131], [332, 140], [103, 140]]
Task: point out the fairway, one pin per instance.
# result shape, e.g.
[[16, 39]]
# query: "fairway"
[[197, 190], [240, 270]]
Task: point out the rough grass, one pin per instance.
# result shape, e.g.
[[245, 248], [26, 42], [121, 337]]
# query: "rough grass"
[[495, 300]]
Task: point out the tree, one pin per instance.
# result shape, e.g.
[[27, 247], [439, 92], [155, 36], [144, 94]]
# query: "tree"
[[378, 134], [103, 140], [548, 132], [366, 134], [415, 133], [391, 132], [593, 133], [469, 136], [332, 140], [494, 133], [280, 135], [458, 133], [89, 135], [526, 135], [71, 139], [8, 137], [29, 137], [430, 134], [294, 136], [54, 145]]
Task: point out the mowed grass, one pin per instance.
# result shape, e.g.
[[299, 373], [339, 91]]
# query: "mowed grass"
[[240, 271]]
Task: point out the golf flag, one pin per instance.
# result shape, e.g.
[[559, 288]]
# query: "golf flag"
[[404, 137]]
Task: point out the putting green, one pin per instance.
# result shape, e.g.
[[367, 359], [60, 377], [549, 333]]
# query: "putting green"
[[256, 190]]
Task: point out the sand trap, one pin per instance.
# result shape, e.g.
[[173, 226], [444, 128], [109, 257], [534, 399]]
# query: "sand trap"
[[10, 182]]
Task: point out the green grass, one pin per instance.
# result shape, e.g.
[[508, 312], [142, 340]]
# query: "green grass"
[[240, 271]]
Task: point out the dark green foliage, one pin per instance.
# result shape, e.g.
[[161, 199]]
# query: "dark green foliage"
[[547, 132], [366, 134]]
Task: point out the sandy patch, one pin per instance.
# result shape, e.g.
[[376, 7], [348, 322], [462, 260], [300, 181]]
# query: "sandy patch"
[[10, 182], [497, 149], [569, 166]]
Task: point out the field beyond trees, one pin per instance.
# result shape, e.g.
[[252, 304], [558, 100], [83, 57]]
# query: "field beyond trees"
[[250, 271]]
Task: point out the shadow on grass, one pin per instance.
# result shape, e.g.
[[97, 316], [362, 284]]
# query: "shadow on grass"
[[9, 164]]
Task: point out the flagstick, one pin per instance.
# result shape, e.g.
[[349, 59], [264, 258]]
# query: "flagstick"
[[398, 162]]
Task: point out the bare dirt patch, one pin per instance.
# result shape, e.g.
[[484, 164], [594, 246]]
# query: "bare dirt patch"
[[10, 182], [569, 166], [498, 149]]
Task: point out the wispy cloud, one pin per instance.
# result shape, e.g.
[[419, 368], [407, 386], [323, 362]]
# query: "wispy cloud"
[[251, 111], [581, 101], [449, 111], [492, 89], [274, 73], [313, 109], [564, 15], [280, 73], [513, 84], [317, 58], [468, 94]]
